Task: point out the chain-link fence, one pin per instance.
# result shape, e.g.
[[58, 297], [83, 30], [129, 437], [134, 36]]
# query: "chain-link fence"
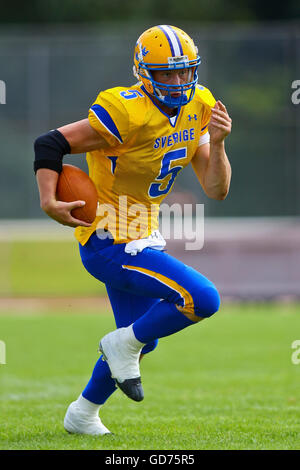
[[52, 76]]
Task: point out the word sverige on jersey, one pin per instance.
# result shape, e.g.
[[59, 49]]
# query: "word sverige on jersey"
[[175, 138]]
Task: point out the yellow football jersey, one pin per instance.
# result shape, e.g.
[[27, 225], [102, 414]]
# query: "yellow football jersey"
[[147, 149]]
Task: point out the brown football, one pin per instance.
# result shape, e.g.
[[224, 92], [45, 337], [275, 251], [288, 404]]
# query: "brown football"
[[75, 185]]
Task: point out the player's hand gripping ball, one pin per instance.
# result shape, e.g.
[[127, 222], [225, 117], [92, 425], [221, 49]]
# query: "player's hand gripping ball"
[[73, 185]]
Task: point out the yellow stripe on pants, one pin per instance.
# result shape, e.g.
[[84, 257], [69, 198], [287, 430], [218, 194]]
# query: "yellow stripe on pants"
[[187, 298]]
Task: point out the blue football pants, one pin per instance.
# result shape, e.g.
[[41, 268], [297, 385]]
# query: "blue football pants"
[[144, 290]]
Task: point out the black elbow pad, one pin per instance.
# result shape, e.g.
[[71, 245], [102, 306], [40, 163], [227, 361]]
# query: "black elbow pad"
[[49, 151]]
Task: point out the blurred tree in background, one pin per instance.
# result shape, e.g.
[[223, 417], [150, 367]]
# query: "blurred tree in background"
[[51, 11]]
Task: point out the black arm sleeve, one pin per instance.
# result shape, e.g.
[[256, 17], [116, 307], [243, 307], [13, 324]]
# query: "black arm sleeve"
[[49, 151]]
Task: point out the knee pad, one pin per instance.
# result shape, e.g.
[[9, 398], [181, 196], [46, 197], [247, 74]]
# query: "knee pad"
[[149, 347], [208, 302]]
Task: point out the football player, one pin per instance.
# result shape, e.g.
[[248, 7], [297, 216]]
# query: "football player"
[[137, 140]]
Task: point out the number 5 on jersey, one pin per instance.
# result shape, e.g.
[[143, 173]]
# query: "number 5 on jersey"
[[155, 188]]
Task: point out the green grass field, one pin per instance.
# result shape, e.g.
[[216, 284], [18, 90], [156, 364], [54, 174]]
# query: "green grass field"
[[43, 268], [226, 383]]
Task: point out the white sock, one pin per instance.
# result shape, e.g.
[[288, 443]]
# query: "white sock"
[[88, 407], [134, 343]]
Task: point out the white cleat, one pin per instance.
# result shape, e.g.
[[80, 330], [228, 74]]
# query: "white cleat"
[[121, 350], [79, 422]]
